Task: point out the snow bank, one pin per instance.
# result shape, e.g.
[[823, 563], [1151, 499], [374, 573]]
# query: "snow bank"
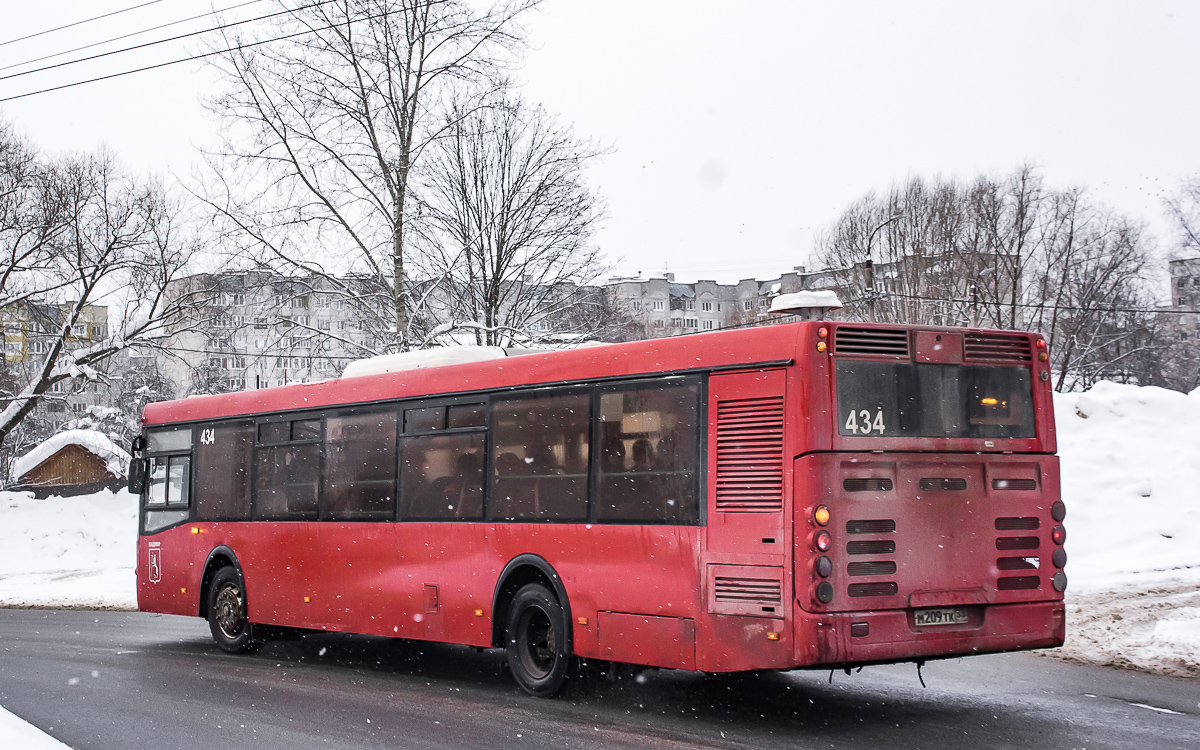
[[1130, 460], [68, 551], [14, 732], [116, 460]]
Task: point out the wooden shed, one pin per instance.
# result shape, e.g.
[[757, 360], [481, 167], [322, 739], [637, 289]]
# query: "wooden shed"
[[74, 462]]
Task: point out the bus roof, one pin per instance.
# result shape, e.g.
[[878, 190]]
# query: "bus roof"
[[705, 351]]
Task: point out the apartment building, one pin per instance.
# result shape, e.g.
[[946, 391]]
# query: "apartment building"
[[30, 330]]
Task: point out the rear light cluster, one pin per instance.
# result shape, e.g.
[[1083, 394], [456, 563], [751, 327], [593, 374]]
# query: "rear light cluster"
[[822, 334], [1042, 354], [1058, 535], [823, 542]]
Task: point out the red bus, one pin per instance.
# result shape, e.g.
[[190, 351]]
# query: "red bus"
[[801, 495]]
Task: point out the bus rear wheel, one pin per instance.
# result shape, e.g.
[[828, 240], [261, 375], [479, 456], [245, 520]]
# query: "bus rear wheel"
[[538, 641], [227, 613]]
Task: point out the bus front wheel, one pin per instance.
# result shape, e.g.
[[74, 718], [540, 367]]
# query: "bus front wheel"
[[227, 613], [538, 641]]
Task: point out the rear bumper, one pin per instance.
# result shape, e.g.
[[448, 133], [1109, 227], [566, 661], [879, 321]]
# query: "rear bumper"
[[827, 640]]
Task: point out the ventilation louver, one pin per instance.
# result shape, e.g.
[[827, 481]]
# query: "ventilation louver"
[[888, 588], [1018, 563], [871, 547], [929, 484], [871, 342], [1017, 542], [873, 526], [1019, 583], [1014, 484], [1005, 347], [877, 568], [867, 484], [1026, 523], [763, 591], [750, 454]]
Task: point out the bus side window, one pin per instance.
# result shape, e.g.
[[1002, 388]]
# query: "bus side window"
[[223, 471], [360, 466], [442, 477], [540, 451], [648, 453]]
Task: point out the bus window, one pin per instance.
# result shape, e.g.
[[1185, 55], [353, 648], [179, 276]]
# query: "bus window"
[[360, 466], [648, 454], [223, 472], [285, 487], [424, 420], [540, 458], [157, 496], [442, 477]]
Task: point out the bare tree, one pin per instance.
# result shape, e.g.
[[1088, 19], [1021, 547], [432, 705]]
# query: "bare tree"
[[508, 223], [1005, 253], [327, 125], [115, 248]]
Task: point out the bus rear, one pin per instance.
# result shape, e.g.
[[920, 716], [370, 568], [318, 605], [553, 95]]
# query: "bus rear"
[[932, 525]]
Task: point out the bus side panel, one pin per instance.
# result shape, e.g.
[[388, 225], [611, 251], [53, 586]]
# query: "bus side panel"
[[286, 582], [168, 579]]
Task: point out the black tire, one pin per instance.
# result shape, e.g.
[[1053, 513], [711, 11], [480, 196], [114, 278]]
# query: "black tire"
[[227, 613], [538, 641]]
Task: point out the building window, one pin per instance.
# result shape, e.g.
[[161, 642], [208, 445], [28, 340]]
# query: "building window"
[[708, 325], [78, 408], [762, 302], [637, 305], [13, 348], [79, 330], [260, 323], [690, 304], [706, 306], [659, 323], [690, 322], [322, 324], [301, 301], [658, 304]]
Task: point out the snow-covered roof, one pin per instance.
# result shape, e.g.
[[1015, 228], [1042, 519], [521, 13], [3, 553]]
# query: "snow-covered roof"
[[681, 290], [796, 300], [445, 355], [116, 461]]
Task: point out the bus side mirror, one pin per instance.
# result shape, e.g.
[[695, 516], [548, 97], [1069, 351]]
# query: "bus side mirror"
[[137, 476]]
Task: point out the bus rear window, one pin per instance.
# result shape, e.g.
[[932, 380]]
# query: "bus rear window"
[[879, 399]]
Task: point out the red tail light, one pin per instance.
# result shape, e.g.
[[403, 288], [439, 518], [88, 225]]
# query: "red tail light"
[[1059, 535], [823, 541]]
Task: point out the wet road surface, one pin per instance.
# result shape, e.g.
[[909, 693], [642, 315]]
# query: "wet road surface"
[[129, 680]]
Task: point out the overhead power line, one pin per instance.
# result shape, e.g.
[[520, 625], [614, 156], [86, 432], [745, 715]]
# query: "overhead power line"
[[126, 36], [164, 41], [190, 58], [79, 23]]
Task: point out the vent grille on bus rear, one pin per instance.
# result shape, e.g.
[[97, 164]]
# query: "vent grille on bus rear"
[[875, 568], [1019, 583], [748, 590], [879, 342], [871, 547], [887, 588], [1018, 563], [867, 484], [947, 485], [1017, 542], [1008, 347], [873, 526], [1026, 523], [1014, 484], [750, 454]]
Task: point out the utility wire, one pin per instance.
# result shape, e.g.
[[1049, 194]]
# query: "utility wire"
[[126, 36], [1042, 306], [196, 57], [79, 23], [164, 41]]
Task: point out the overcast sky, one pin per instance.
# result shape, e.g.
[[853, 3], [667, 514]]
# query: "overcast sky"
[[738, 129]]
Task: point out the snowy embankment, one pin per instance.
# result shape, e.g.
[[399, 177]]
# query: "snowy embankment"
[[1130, 461], [1130, 472], [76, 552]]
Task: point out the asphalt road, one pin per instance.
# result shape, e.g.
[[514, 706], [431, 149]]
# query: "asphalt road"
[[129, 680]]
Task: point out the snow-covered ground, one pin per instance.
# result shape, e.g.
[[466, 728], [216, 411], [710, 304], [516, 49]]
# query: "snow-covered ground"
[[1130, 462], [1130, 472], [18, 734]]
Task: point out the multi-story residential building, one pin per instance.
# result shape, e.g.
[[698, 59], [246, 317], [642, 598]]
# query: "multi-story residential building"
[[30, 330], [255, 329], [1181, 324], [662, 307]]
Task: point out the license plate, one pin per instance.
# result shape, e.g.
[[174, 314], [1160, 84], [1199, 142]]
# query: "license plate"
[[944, 616]]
